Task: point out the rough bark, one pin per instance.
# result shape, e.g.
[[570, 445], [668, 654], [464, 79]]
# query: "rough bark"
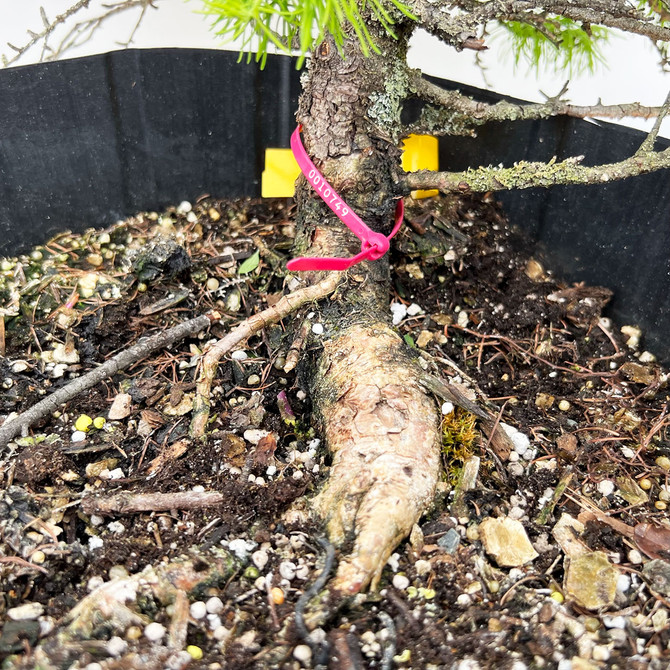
[[381, 427]]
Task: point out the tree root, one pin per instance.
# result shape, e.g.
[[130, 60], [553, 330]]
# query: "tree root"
[[288, 304], [133, 503], [383, 431]]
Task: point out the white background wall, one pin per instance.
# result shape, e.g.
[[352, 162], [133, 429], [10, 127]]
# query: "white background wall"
[[632, 73]]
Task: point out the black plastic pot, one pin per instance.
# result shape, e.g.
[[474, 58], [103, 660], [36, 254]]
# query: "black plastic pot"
[[88, 141]]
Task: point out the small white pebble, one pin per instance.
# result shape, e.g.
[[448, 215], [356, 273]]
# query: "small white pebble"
[[513, 457], [259, 481], [623, 583], [198, 609], [116, 527], [198, 488], [298, 474], [241, 548], [191, 217], [184, 207], [647, 357], [300, 394], [302, 653], [394, 562], [399, 312], [221, 633], [95, 542], [94, 582], [271, 470], [259, 559], [564, 405], [414, 309], [317, 329], [447, 408], [117, 473], [422, 567], [97, 520], [213, 621], [606, 487], [239, 355], [287, 570], [93, 666], [464, 600], [154, 631], [302, 572], [600, 653], [614, 621], [400, 582], [635, 557], [78, 436], [116, 646]]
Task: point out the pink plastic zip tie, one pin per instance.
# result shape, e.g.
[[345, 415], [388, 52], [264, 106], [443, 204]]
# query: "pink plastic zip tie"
[[373, 245]]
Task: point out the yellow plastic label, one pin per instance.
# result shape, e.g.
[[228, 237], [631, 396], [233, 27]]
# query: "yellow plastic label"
[[420, 152], [281, 171]]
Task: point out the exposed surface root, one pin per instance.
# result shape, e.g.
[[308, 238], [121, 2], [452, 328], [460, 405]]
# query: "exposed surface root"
[[383, 432]]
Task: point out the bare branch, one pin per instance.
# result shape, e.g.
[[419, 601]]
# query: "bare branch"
[[528, 175], [460, 114], [648, 144], [79, 33], [456, 21]]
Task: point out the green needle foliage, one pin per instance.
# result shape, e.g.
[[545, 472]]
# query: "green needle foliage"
[[556, 43], [296, 25]]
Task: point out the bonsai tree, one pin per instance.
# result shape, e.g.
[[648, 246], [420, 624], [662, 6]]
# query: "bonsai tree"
[[375, 405], [371, 398]]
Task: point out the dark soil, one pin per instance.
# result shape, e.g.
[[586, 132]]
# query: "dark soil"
[[591, 401]]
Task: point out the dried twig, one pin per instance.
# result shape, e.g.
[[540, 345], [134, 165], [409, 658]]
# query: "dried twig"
[[132, 503], [210, 361], [122, 360]]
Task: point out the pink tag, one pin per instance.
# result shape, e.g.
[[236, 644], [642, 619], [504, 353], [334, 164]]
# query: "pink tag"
[[373, 245]]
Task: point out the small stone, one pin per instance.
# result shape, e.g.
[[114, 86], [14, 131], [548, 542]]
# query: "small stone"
[[423, 567], [317, 329], [424, 339], [544, 400], [450, 540], [255, 435], [19, 366], [214, 605], [116, 527], [462, 319], [213, 214], [184, 207], [25, 612], [194, 652], [635, 557], [399, 312], [241, 548], [658, 573], [600, 653], [400, 582], [591, 580], [647, 357], [505, 539], [302, 653], [534, 270], [198, 610], [633, 335], [253, 380], [154, 631], [663, 462], [116, 646], [302, 572], [78, 436], [414, 309], [287, 570], [447, 408], [519, 440], [94, 259], [221, 633], [606, 487], [259, 559], [212, 284], [120, 408], [233, 301], [191, 217], [464, 600], [38, 557], [63, 354], [564, 405], [133, 633]]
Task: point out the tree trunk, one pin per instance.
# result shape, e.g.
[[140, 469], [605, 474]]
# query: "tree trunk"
[[381, 428]]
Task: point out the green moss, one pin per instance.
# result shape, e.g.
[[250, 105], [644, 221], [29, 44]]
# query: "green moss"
[[459, 436]]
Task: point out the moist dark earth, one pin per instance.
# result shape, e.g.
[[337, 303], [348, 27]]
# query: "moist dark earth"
[[588, 403]]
